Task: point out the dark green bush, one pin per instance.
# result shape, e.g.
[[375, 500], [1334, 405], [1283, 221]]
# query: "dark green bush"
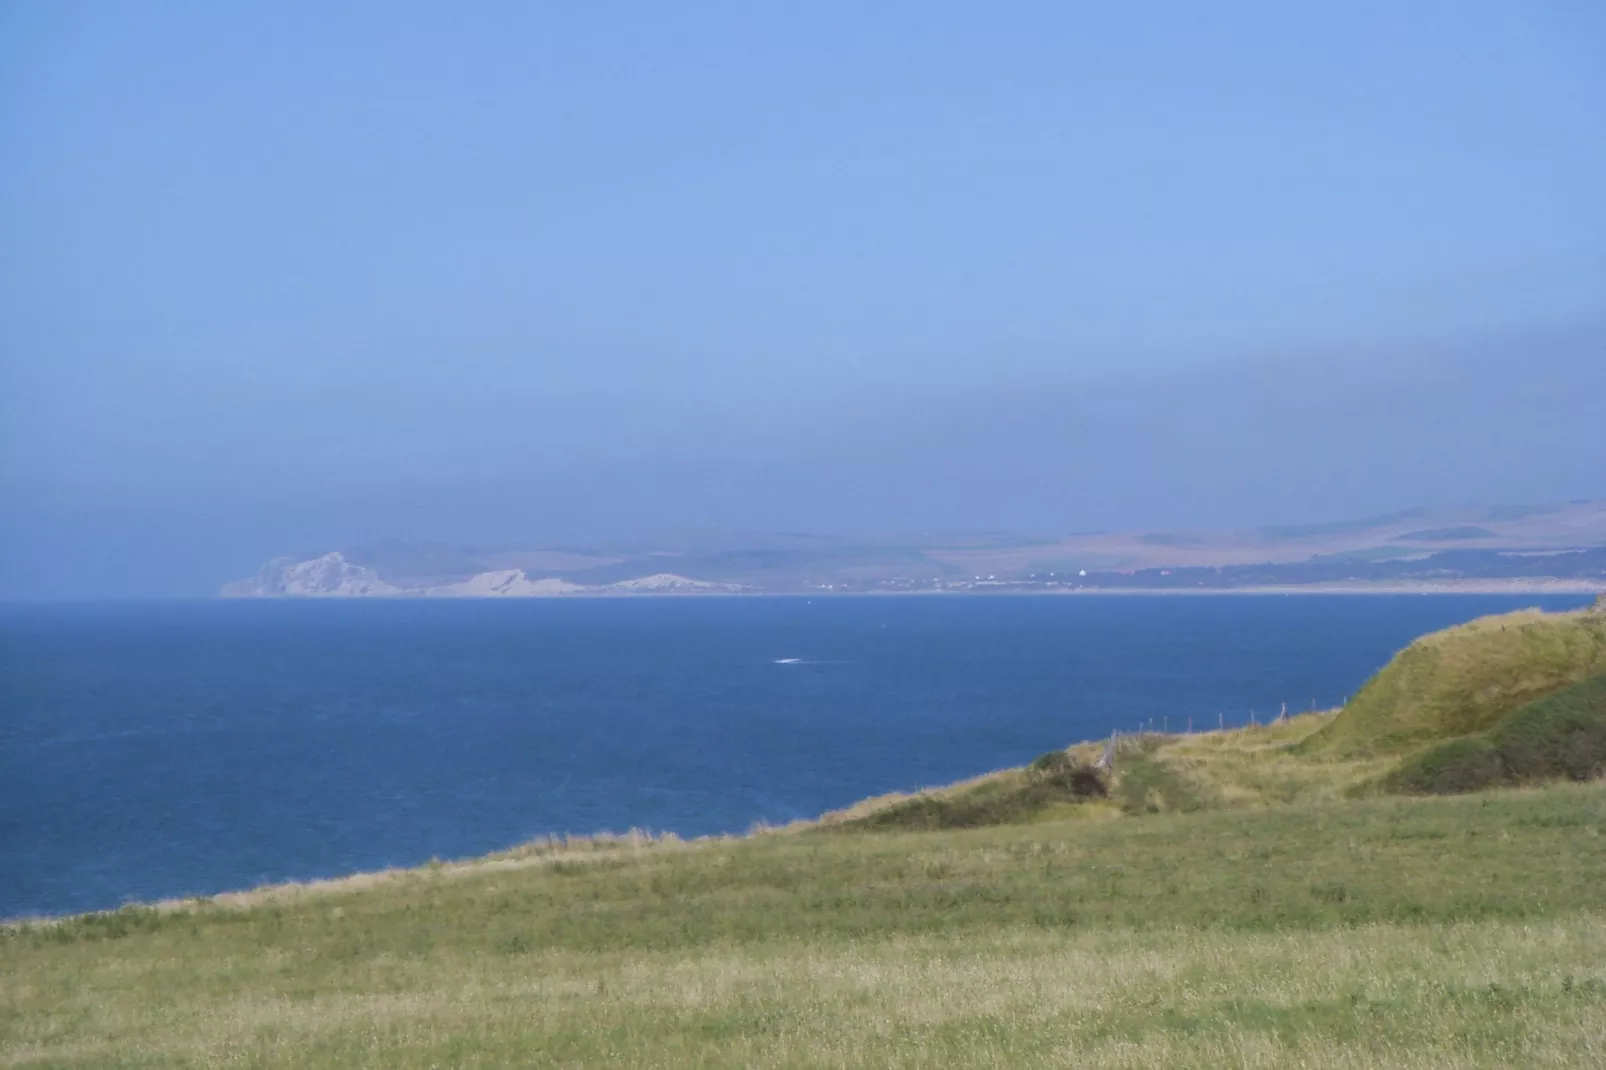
[[1086, 782], [1552, 740], [1453, 768], [1559, 737], [1052, 764], [1066, 776]]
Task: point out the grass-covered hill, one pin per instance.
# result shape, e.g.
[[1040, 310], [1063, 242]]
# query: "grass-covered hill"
[[1559, 737], [1465, 679], [1509, 699], [1288, 894]]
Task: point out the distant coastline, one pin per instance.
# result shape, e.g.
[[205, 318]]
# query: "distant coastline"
[[1484, 550], [1562, 587], [1478, 587]]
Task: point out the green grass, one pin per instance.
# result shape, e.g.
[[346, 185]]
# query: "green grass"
[[1463, 680], [1263, 765], [1053, 785], [1422, 932], [1560, 736]]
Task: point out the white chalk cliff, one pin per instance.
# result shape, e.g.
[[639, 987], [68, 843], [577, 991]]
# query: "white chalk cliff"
[[332, 576], [329, 576], [667, 581], [505, 583]]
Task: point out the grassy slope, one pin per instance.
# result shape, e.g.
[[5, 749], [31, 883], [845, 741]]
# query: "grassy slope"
[[1465, 679], [1445, 685], [1421, 932], [1561, 736], [1264, 765], [1263, 917]]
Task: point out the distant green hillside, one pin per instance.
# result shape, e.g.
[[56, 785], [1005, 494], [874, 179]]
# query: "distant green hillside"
[[1463, 680]]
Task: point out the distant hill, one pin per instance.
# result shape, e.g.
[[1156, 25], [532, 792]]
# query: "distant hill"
[[1451, 547]]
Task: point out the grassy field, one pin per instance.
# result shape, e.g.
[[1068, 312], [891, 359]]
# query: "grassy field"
[[1410, 932], [1250, 898]]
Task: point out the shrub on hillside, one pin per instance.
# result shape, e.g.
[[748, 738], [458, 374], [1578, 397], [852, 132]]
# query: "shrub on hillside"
[[1048, 765], [1559, 737], [1552, 740], [1453, 768], [1058, 770]]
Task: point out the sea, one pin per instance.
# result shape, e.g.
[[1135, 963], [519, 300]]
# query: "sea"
[[156, 750]]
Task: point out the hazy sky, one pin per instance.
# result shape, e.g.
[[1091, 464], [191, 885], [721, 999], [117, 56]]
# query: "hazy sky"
[[290, 276]]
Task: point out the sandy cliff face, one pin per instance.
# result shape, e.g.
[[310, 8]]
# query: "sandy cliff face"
[[329, 576]]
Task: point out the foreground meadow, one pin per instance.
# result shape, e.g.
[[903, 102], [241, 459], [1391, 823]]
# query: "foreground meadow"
[[1410, 932]]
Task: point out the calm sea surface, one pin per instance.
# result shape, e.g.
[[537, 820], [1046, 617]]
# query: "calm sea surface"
[[153, 750]]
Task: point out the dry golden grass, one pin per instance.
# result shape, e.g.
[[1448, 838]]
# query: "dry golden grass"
[[999, 782], [545, 851], [1262, 766]]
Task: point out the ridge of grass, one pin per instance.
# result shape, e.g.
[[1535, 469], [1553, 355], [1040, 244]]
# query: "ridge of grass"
[[1463, 680], [1248, 767], [1449, 685]]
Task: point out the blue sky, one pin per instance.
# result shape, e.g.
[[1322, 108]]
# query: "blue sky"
[[280, 277]]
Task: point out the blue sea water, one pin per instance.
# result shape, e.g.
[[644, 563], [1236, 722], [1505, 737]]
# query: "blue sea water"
[[155, 750]]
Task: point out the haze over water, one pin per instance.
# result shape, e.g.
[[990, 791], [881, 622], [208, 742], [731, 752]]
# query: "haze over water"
[[154, 750], [291, 278]]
